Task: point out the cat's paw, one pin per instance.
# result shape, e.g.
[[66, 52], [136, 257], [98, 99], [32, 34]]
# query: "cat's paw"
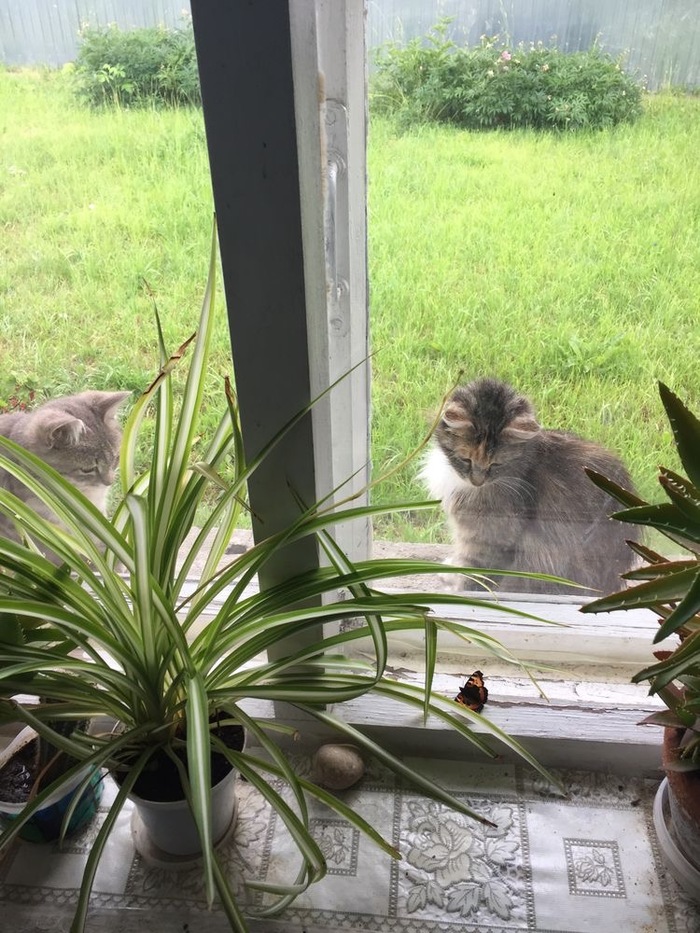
[[452, 582]]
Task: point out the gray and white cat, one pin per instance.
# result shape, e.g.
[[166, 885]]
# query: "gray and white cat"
[[78, 435], [517, 497]]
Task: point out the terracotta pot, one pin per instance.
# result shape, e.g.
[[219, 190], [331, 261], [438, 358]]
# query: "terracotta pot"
[[684, 798]]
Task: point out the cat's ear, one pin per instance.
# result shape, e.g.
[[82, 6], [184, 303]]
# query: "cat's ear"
[[106, 403], [57, 429], [521, 429], [454, 417]]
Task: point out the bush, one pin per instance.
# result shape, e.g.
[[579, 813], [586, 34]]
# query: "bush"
[[492, 85], [137, 67]]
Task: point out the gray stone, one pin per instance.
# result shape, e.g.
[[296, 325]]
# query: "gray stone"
[[338, 767]]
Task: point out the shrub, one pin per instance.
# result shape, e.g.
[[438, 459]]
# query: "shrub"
[[136, 67], [492, 85]]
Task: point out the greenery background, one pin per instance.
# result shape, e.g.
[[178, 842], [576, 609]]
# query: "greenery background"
[[567, 264]]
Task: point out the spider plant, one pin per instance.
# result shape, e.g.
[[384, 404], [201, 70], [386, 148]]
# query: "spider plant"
[[117, 630]]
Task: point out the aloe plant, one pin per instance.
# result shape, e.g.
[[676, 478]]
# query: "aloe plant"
[[669, 586], [115, 631]]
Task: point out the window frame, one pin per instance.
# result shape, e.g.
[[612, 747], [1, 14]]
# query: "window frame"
[[284, 100]]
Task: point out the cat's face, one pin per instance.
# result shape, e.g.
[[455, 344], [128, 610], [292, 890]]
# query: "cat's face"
[[79, 436], [483, 429]]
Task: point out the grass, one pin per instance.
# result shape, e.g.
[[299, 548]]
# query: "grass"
[[568, 265]]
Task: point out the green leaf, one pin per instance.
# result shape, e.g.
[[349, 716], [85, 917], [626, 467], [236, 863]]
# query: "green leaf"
[[98, 844], [669, 587], [666, 517], [688, 607], [686, 432], [682, 494], [625, 496], [663, 568], [199, 772], [683, 661], [334, 803]]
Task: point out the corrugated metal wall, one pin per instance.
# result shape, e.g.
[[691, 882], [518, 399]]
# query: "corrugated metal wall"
[[46, 32], [661, 38]]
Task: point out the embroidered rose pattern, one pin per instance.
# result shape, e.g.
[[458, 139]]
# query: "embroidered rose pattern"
[[595, 868], [458, 865]]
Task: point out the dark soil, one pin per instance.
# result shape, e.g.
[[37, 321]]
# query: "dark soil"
[[161, 780], [19, 774]]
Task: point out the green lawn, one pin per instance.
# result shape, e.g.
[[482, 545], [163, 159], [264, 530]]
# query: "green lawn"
[[569, 265]]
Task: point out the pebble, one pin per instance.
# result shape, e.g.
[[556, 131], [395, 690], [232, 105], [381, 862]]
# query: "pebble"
[[338, 767]]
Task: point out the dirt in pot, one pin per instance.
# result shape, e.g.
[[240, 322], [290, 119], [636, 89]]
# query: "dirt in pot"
[[160, 781], [19, 775], [29, 764]]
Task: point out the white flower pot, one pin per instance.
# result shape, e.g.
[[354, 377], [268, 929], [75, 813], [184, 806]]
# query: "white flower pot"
[[683, 870], [163, 829]]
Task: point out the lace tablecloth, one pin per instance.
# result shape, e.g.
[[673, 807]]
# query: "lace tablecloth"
[[585, 864]]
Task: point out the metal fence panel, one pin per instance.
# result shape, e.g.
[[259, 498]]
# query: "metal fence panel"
[[659, 38]]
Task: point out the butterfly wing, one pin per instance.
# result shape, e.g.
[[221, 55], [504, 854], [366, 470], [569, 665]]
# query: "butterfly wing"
[[473, 694]]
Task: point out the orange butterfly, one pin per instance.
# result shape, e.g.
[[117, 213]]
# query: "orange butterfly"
[[473, 694]]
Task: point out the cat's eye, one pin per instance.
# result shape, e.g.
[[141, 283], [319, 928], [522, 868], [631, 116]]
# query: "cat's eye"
[[87, 471], [467, 462]]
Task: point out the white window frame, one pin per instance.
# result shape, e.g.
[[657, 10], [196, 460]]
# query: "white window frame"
[[317, 177]]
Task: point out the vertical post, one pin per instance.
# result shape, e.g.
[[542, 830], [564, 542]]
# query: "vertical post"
[[244, 52], [295, 283]]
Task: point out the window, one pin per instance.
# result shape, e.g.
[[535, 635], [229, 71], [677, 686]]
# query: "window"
[[278, 246]]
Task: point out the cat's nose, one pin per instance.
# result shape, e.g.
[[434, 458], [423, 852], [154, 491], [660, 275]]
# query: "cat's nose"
[[478, 476]]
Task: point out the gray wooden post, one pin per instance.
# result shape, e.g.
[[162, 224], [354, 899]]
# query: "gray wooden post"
[[262, 91]]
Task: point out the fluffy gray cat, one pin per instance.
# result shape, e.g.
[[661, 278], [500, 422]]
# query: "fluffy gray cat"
[[517, 497], [78, 435]]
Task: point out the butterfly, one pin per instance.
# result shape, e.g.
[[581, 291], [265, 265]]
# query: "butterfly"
[[473, 694]]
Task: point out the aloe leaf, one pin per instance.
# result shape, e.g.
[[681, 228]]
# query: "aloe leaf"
[[682, 493], [682, 764], [646, 553], [686, 609], [681, 662], [686, 432], [662, 718], [625, 496], [665, 516], [661, 569], [667, 588]]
